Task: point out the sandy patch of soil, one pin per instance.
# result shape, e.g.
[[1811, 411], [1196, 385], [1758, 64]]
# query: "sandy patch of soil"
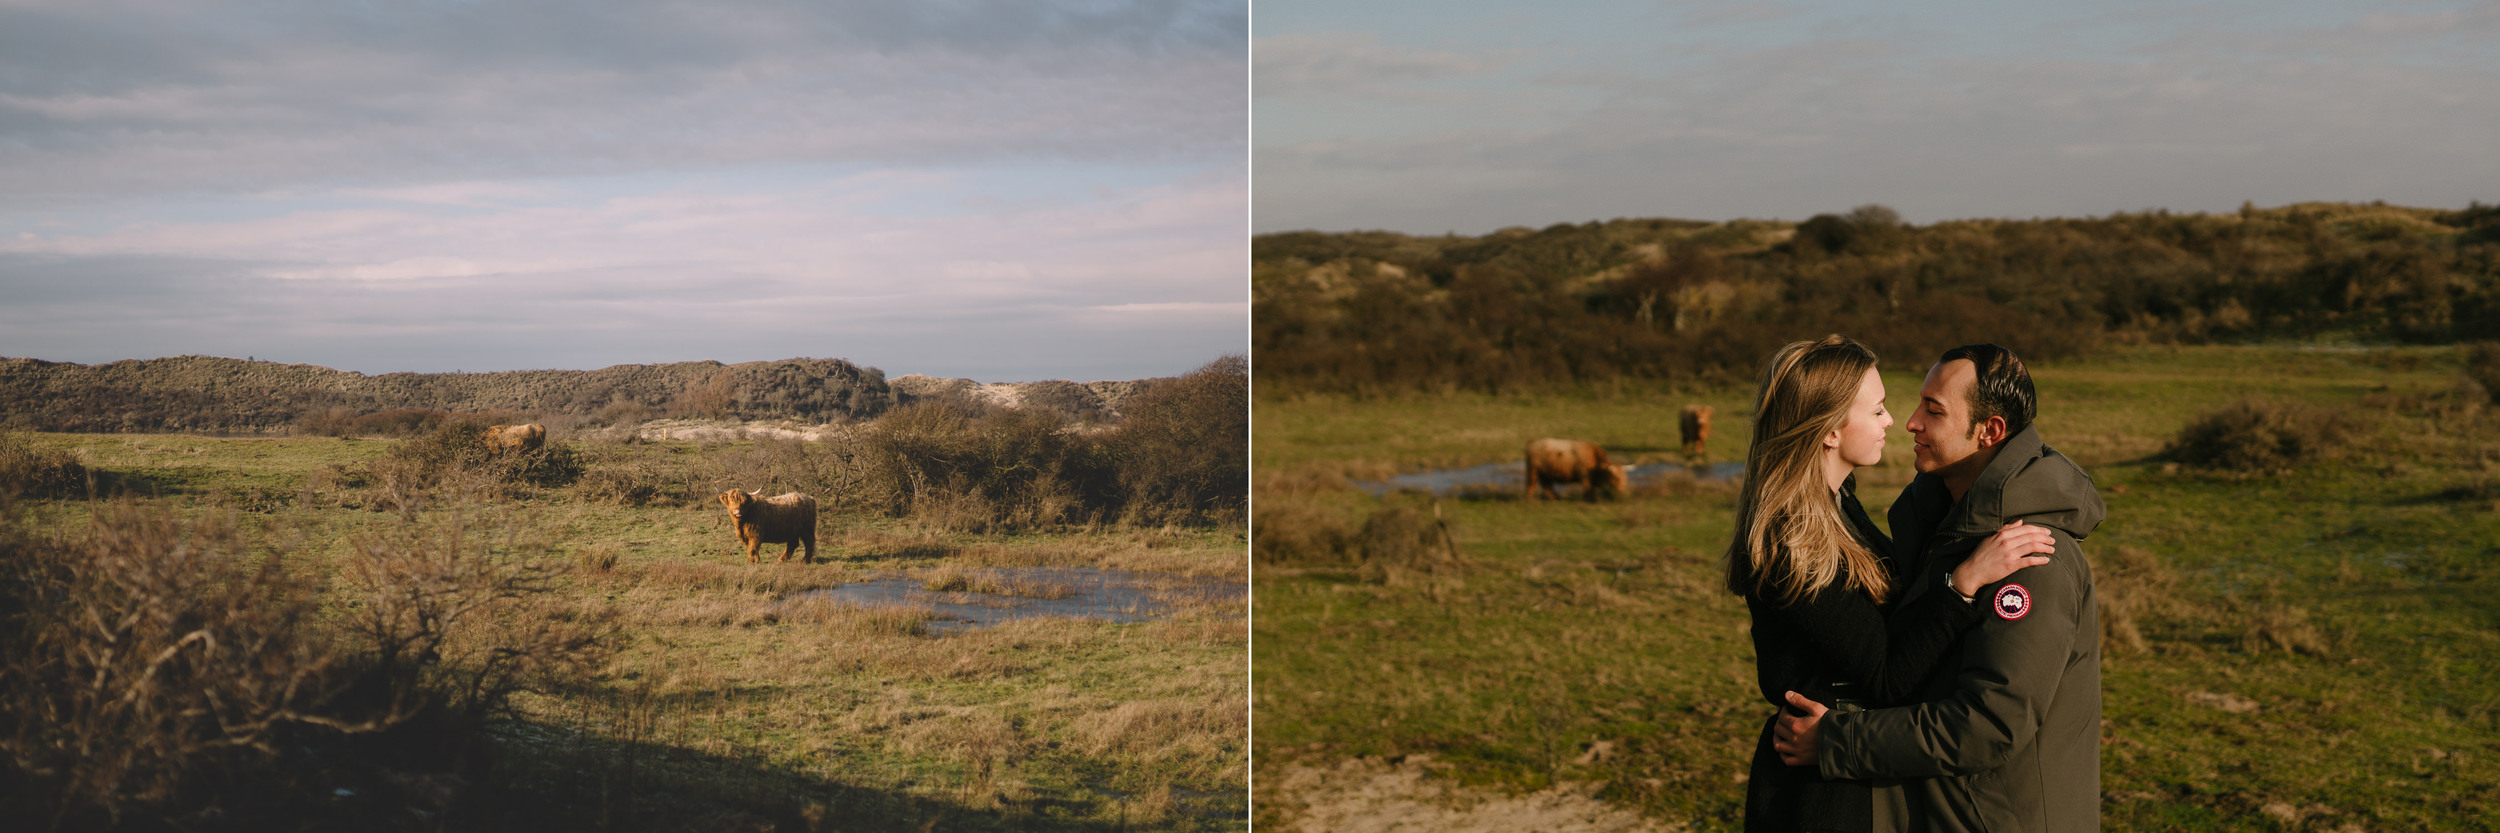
[[1370, 795]]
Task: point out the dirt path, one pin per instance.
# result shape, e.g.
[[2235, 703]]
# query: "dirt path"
[[1369, 795]]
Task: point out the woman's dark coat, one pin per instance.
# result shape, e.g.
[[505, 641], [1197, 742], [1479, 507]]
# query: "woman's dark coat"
[[1836, 635]]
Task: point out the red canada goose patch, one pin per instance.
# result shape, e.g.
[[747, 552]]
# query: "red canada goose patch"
[[2012, 601]]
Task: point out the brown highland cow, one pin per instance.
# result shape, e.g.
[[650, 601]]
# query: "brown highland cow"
[[1552, 461], [781, 519], [506, 439]]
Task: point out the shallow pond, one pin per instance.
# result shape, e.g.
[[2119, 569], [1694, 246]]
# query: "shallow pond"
[[1033, 592], [1513, 477]]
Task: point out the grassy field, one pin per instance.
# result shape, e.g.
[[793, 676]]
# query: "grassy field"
[[2306, 648], [721, 703]]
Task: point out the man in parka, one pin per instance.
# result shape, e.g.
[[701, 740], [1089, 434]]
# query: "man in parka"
[[2008, 736]]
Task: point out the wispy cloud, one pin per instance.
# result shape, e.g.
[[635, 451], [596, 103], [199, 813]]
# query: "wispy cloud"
[[568, 183], [1336, 64]]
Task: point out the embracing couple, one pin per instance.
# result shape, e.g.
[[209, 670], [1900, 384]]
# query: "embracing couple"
[[1946, 677]]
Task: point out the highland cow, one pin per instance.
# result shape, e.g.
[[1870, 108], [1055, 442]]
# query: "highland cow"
[[781, 519], [506, 439], [1696, 425], [1552, 461]]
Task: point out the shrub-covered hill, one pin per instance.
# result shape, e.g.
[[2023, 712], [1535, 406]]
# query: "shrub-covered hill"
[[1519, 309], [204, 393]]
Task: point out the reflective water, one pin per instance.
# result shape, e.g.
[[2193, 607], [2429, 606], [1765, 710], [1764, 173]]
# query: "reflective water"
[[1065, 592], [1513, 477]]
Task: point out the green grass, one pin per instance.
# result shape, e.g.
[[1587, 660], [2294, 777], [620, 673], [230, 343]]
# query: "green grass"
[[726, 707], [1579, 623]]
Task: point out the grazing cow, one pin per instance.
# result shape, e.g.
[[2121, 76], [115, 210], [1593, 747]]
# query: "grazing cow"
[[1552, 461], [506, 439], [781, 519], [1696, 425]]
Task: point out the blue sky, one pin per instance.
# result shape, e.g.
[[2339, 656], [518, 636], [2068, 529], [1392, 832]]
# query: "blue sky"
[[996, 189], [1472, 116]]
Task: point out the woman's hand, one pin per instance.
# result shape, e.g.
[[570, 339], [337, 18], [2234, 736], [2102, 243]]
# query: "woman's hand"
[[2012, 548]]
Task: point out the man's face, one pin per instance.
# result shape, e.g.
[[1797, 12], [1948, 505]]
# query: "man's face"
[[1940, 435]]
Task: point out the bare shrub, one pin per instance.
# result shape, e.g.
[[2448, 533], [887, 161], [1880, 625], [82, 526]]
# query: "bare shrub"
[[549, 466], [1400, 541], [635, 481], [149, 663], [2259, 435], [27, 471], [455, 621], [1184, 446], [1006, 469], [453, 461], [774, 466], [1287, 533]]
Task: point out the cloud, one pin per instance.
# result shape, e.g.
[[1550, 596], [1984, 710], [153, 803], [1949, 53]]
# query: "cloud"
[[129, 98], [1145, 282], [1334, 64], [944, 186]]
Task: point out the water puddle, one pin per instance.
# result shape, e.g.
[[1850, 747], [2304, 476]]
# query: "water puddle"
[[1512, 477], [1034, 592]]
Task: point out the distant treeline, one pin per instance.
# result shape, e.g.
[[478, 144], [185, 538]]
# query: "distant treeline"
[[1522, 309], [202, 393]]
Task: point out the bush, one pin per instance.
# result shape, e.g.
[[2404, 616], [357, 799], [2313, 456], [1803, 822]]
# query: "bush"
[[1006, 469], [1399, 540], [342, 422], [636, 480], [164, 673], [453, 621], [151, 664], [1298, 534], [1184, 447], [2482, 364], [454, 456], [2258, 435], [27, 471]]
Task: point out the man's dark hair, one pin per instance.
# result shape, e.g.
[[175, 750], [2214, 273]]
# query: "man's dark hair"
[[2003, 388]]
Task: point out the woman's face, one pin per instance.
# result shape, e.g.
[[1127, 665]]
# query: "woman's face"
[[1860, 441]]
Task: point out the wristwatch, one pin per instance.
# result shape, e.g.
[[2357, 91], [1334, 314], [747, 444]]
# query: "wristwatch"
[[1948, 585]]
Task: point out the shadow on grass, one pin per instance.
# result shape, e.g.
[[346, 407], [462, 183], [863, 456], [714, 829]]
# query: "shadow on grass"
[[2481, 492], [553, 778]]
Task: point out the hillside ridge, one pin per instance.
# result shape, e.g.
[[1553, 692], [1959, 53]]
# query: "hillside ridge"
[[213, 393]]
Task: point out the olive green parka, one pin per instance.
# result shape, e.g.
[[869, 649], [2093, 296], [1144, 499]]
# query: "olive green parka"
[[2007, 738]]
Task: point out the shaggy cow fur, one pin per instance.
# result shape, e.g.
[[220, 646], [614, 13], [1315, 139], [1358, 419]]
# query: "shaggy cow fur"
[[1552, 461], [781, 519], [506, 439], [1696, 425]]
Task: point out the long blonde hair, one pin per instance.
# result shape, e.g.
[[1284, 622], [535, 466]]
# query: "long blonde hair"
[[1791, 540]]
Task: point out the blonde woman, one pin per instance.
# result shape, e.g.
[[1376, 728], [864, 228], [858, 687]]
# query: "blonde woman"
[[1816, 574]]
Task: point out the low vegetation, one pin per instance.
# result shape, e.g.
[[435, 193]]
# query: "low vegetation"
[[2331, 606], [1636, 302], [211, 394]]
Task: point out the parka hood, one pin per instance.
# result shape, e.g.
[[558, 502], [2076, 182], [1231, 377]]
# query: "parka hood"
[[2030, 482]]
